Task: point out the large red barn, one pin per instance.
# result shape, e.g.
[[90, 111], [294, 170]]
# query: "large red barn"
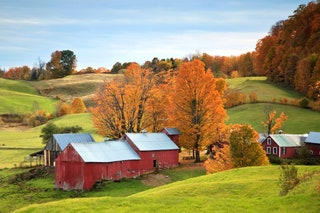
[[80, 165]]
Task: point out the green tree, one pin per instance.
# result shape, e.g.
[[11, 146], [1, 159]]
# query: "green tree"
[[62, 63], [51, 129], [245, 148]]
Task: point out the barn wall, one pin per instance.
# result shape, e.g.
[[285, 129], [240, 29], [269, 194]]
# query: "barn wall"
[[162, 159], [69, 171], [315, 149]]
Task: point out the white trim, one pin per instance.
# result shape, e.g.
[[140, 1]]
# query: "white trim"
[[274, 150], [268, 150], [268, 141]]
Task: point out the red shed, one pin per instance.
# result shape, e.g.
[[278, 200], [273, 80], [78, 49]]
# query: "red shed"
[[283, 145], [173, 134], [81, 165], [313, 142], [156, 150]]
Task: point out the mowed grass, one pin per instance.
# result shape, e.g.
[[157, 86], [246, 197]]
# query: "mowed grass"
[[250, 189], [72, 86], [299, 121], [31, 139], [265, 90], [20, 97]]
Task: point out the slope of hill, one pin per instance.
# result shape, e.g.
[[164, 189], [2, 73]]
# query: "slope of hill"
[[251, 189], [69, 87], [20, 97], [299, 121], [265, 90]]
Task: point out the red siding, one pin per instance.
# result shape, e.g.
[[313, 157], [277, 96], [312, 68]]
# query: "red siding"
[[290, 152], [315, 149], [162, 159]]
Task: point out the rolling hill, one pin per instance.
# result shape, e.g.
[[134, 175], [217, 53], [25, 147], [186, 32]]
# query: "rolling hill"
[[250, 189]]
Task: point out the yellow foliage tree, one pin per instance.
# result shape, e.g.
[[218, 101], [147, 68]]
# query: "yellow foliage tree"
[[245, 148], [77, 106]]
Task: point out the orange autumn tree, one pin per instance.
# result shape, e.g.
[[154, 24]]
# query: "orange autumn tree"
[[196, 106], [272, 123], [219, 158], [121, 102]]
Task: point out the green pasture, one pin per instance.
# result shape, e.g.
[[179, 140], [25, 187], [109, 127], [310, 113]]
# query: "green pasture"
[[30, 139], [265, 90], [299, 121], [250, 189], [20, 97], [41, 190]]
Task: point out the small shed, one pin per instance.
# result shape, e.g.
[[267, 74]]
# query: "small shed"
[[173, 134], [313, 142], [81, 165], [156, 150], [283, 145], [59, 142]]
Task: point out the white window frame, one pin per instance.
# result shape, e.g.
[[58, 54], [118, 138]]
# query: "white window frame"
[[284, 150], [274, 150], [268, 150], [268, 141]]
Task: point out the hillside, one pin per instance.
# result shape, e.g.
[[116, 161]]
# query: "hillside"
[[251, 189], [67, 88], [20, 97]]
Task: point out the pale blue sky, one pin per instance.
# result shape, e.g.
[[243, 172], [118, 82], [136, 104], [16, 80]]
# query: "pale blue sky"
[[103, 32]]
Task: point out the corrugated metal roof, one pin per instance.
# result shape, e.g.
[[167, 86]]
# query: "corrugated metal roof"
[[105, 152], [64, 139], [313, 137], [152, 141], [172, 131], [288, 140]]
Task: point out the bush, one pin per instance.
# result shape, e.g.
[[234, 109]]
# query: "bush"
[[288, 178]]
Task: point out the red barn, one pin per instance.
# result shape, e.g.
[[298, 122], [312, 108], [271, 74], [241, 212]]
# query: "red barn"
[[173, 134], [156, 150], [80, 165], [283, 145], [313, 143]]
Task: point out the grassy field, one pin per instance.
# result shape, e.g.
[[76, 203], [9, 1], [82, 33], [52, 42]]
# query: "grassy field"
[[40, 190], [299, 121], [20, 97], [72, 86], [30, 139], [265, 90], [251, 189]]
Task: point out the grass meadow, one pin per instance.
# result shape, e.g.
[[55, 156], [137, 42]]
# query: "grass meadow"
[[250, 189]]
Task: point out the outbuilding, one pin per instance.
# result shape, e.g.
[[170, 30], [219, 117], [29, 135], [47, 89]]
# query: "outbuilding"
[[59, 142], [313, 143], [80, 165]]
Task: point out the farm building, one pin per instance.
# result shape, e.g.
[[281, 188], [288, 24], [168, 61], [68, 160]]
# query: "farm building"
[[313, 142], [81, 165], [59, 142], [173, 134], [283, 145]]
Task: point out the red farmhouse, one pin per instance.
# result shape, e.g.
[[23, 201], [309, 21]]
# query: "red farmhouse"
[[80, 165], [283, 145]]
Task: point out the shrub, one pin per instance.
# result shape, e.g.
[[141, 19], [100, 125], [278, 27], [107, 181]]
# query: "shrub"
[[288, 178], [304, 103]]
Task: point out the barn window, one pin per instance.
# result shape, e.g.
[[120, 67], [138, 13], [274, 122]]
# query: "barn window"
[[268, 150], [153, 155], [311, 152], [283, 150], [269, 141], [155, 163], [274, 150]]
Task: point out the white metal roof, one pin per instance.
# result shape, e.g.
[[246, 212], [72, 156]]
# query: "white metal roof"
[[152, 141], [172, 131], [105, 152], [288, 140], [64, 139], [313, 137]]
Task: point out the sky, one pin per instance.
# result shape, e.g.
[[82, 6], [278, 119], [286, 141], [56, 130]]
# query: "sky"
[[103, 32]]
